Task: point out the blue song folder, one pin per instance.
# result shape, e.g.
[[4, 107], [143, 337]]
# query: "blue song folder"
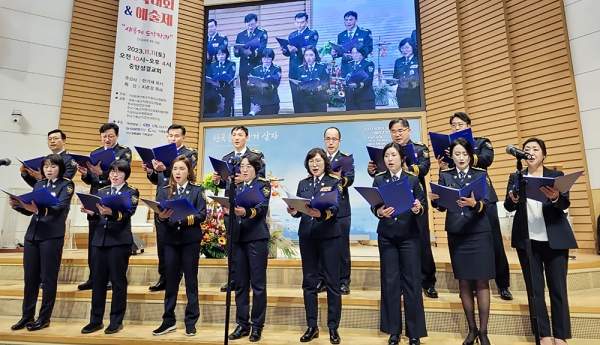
[[410, 153], [104, 156], [182, 208], [441, 142], [117, 202], [448, 196], [320, 203], [249, 198], [357, 77], [42, 197], [396, 194], [296, 41], [310, 84], [345, 47], [252, 44], [376, 155], [222, 168], [224, 77], [270, 79], [562, 183], [34, 163], [346, 164], [165, 154]]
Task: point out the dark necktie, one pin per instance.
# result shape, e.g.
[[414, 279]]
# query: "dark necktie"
[[113, 190], [180, 190], [317, 184], [244, 187], [221, 65], [350, 34], [330, 158], [406, 61], [394, 178], [462, 175], [249, 34], [239, 154], [310, 69]]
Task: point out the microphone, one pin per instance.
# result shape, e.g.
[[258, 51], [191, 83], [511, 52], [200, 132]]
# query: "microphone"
[[519, 154], [235, 160], [5, 162]]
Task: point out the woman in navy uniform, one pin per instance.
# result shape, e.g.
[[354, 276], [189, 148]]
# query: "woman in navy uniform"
[[182, 245], [399, 252], [406, 70], [251, 250], [360, 95], [319, 234], [314, 94], [112, 245], [44, 241], [266, 94], [551, 238], [469, 239], [223, 66]]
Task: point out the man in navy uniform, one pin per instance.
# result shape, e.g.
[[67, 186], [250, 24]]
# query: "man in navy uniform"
[[96, 179], [239, 137], [400, 132], [56, 144], [213, 41], [352, 32], [296, 55], [159, 176], [249, 57], [482, 158]]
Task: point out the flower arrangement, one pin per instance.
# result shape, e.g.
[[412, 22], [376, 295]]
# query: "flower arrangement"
[[336, 94], [214, 234], [384, 94], [208, 184]]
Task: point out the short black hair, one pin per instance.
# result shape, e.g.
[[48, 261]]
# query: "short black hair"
[[108, 126], [538, 141], [351, 13], [54, 159], [301, 15], [268, 52], [400, 120], [174, 126], [223, 48], [212, 99], [337, 129], [462, 116], [362, 49], [212, 21], [63, 136], [121, 165], [464, 143], [312, 154], [255, 161], [248, 18], [411, 43], [243, 128], [395, 146]]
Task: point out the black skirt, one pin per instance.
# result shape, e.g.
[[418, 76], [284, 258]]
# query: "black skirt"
[[472, 256]]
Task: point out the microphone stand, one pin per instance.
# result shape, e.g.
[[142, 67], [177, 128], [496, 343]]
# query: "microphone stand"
[[522, 208], [229, 246]]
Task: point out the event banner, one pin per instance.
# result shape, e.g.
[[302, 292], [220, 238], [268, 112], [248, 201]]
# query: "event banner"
[[144, 71], [285, 148]]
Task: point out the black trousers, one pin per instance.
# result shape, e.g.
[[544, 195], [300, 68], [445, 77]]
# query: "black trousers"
[[110, 263], [296, 99], [182, 257], [91, 231], [160, 248], [400, 261], [408, 98], [345, 258], [246, 95], [502, 270], [312, 104], [270, 109], [554, 263], [352, 104], [251, 270], [325, 251], [427, 263], [41, 262]]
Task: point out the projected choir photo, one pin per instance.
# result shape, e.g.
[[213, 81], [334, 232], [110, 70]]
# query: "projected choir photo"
[[276, 59]]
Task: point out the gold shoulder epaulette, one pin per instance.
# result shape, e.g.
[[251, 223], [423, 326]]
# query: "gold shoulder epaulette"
[[123, 146], [478, 169], [418, 143], [196, 184], [104, 187], [255, 151], [260, 178], [448, 169], [381, 173], [66, 178], [335, 176], [344, 154], [132, 187], [306, 178], [167, 186], [410, 173]]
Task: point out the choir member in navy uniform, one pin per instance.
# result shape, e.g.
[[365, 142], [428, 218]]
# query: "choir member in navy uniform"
[[483, 156], [400, 132], [360, 96], [352, 32], [112, 244], [239, 137], [96, 179], [44, 241], [470, 239], [249, 58], [406, 70], [319, 234], [214, 40], [332, 138], [266, 94], [296, 55], [56, 144], [399, 248], [181, 245], [251, 252], [159, 176], [551, 238], [223, 65], [314, 97]]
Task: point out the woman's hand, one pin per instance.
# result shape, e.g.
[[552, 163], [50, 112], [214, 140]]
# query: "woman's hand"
[[105, 211], [512, 196], [166, 213], [239, 211], [464, 201], [371, 167], [86, 211], [385, 211], [432, 196], [30, 207], [443, 165], [291, 211], [158, 165], [416, 206], [13, 202], [313, 212], [550, 192]]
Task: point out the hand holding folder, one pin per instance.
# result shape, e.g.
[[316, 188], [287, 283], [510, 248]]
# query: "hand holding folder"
[[346, 164], [562, 183], [246, 199], [165, 154], [223, 168], [449, 196], [252, 44], [296, 41], [320, 203], [270, 79], [441, 142], [357, 77], [396, 194], [41, 197], [106, 157], [118, 202], [344, 48], [33, 164], [224, 77], [182, 208]]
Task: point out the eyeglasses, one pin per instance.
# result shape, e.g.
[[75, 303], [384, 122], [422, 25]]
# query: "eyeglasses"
[[399, 131], [332, 139], [111, 137], [315, 161], [245, 167]]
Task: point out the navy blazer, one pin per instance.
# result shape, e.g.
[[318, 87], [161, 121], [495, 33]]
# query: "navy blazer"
[[269, 95], [184, 231], [319, 72], [423, 162], [346, 181], [70, 165], [364, 89], [560, 234], [223, 184], [253, 225], [215, 42], [405, 68], [96, 182], [50, 222], [326, 226], [248, 62], [297, 58], [115, 230], [364, 36], [472, 219], [161, 178], [216, 69], [403, 225]]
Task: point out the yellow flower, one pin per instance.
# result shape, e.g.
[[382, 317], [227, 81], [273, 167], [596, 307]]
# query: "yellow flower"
[[222, 241]]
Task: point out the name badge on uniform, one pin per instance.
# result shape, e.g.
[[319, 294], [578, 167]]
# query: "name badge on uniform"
[[215, 45], [304, 76], [360, 39], [326, 189], [414, 66], [306, 37], [53, 194]]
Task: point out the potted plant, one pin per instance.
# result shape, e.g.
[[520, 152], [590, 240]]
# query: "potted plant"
[[214, 234], [385, 94]]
